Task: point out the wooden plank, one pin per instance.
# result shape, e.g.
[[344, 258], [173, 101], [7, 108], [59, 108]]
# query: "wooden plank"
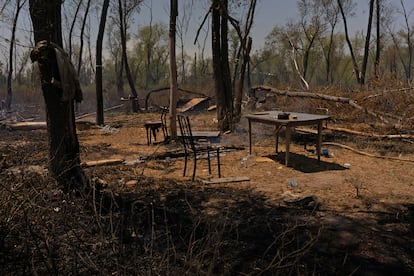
[[226, 180], [191, 104], [197, 134], [102, 162], [303, 130], [27, 125]]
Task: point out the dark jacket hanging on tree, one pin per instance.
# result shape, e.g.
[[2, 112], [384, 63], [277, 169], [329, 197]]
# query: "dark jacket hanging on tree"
[[64, 159], [69, 82]]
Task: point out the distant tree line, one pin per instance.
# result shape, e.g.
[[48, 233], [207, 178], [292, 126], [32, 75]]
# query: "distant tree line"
[[314, 49]]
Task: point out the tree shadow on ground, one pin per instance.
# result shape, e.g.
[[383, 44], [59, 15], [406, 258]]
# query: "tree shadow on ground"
[[167, 227], [306, 164], [160, 226]]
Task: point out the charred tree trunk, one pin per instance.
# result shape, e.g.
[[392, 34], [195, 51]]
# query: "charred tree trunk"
[[367, 39], [19, 6], [222, 78], [119, 68], [123, 30], [378, 50], [245, 48], [98, 73], [227, 123], [348, 41], [85, 17], [72, 27], [64, 160], [173, 69], [240, 87]]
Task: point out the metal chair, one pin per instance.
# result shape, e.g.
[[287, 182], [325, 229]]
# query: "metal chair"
[[152, 127], [194, 149]]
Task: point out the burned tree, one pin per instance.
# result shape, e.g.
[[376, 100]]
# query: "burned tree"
[[222, 78], [60, 88], [19, 6]]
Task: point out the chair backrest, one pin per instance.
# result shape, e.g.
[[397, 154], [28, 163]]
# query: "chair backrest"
[[164, 121], [186, 133]]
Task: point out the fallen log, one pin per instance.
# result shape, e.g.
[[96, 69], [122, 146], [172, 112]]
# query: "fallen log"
[[26, 125], [93, 113], [365, 153], [302, 94], [103, 162], [372, 135], [226, 180], [382, 93]]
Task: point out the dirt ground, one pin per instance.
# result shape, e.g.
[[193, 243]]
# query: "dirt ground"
[[352, 213], [377, 192], [347, 181]]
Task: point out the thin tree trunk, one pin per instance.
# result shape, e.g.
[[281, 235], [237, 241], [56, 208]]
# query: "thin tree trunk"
[[72, 26], [246, 46], [367, 39], [19, 6], [173, 69], [227, 123], [148, 74], [98, 73], [329, 75], [307, 55], [123, 28], [378, 50], [81, 37], [332, 13], [348, 41], [217, 69], [407, 68], [119, 68], [240, 87]]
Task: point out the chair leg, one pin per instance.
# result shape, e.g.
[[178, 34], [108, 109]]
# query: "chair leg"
[[304, 141], [154, 133], [185, 163], [218, 163], [148, 136], [209, 162], [195, 166]]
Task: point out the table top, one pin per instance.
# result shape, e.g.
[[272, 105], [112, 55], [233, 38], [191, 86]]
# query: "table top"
[[294, 117]]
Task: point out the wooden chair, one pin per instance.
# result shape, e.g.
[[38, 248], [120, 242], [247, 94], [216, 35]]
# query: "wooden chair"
[[153, 127], [194, 149]]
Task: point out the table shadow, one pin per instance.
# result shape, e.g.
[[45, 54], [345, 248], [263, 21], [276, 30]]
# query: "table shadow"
[[306, 164]]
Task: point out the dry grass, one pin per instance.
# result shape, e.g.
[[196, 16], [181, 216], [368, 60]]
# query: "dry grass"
[[167, 225]]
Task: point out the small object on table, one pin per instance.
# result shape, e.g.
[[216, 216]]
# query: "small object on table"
[[283, 116]]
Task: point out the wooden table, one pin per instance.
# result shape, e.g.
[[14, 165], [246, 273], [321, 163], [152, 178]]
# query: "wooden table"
[[295, 119]]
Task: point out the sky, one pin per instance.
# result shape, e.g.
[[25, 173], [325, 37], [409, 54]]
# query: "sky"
[[269, 13]]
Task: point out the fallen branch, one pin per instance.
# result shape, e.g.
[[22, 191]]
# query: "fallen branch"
[[365, 153], [318, 96], [226, 180], [387, 91], [106, 109], [373, 135]]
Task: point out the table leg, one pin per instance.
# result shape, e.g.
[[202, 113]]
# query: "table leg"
[[287, 145], [278, 128], [319, 140], [250, 137]]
